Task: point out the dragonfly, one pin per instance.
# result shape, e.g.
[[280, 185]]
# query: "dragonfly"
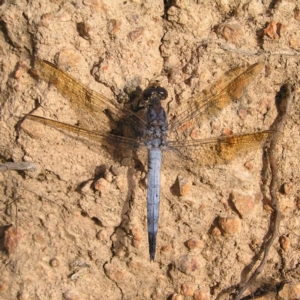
[[151, 131]]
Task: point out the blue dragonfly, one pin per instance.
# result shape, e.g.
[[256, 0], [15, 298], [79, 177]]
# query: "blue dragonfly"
[[151, 131]]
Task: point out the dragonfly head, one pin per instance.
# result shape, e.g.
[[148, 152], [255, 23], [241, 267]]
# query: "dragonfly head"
[[155, 91]]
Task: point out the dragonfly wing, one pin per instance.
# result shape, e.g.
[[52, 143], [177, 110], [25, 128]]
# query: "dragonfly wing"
[[229, 88], [108, 140], [220, 150], [87, 102]]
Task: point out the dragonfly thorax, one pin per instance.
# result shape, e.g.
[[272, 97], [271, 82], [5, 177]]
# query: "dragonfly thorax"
[[156, 119]]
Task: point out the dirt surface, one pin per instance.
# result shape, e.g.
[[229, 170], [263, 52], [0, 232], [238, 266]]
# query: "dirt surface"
[[65, 237]]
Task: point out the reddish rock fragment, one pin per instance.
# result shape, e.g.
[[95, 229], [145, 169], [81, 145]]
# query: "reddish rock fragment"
[[268, 208], [216, 232], [244, 204], [187, 264], [248, 165], [227, 131], [187, 289], [184, 186], [201, 295], [267, 205], [137, 237], [193, 243], [101, 185], [229, 225], [242, 114], [113, 26], [11, 238], [274, 30], [270, 30], [166, 248], [136, 233], [231, 32]]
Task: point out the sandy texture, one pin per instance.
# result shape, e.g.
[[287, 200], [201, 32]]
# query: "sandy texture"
[[67, 237]]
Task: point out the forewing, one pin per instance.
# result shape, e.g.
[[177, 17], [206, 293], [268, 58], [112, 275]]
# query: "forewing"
[[93, 109], [220, 150], [203, 107]]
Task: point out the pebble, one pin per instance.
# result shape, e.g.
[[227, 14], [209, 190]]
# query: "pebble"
[[113, 26], [244, 204], [274, 30], [12, 237], [187, 289], [201, 295], [136, 233], [35, 130], [102, 235], [229, 225], [231, 32], [165, 249], [135, 266], [248, 165], [285, 242], [101, 185], [227, 131], [184, 186], [121, 182], [216, 232], [137, 237], [116, 170], [187, 264], [116, 273], [287, 188], [176, 296], [71, 295], [194, 243], [135, 34], [108, 176], [69, 59], [242, 114]]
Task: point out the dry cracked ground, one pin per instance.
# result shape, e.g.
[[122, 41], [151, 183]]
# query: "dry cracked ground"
[[75, 227]]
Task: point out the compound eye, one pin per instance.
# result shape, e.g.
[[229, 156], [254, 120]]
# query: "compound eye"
[[158, 90], [163, 92]]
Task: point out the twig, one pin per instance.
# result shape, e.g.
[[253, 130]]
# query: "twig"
[[283, 103], [26, 166]]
